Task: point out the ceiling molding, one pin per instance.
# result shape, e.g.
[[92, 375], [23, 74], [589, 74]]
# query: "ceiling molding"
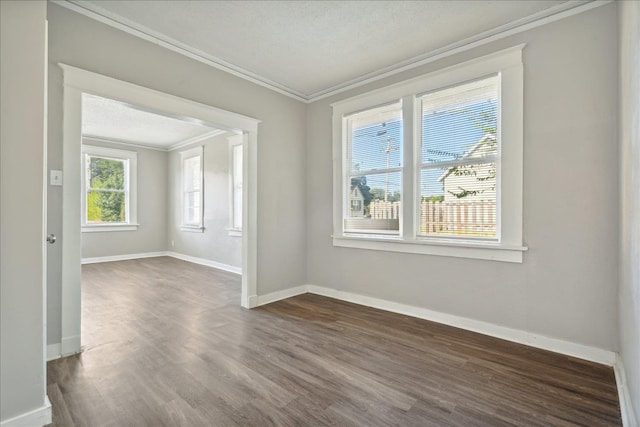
[[121, 142], [556, 13], [140, 31], [195, 139], [552, 14]]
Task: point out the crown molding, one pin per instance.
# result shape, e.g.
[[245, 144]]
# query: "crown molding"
[[99, 14], [552, 14], [195, 139], [99, 139]]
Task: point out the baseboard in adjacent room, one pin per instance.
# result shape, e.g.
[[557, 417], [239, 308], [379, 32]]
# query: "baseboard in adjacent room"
[[124, 257], [626, 408], [34, 418], [189, 258], [208, 263]]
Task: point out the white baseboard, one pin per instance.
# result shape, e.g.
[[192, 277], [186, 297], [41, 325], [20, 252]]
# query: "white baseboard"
[[70, 345], [36, 418], [626, 408], [208, 263], [122, 257], [283, 294], [54, 351], [580, 351], [189, 258]]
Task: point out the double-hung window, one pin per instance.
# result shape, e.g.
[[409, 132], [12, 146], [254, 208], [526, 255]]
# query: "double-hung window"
[[433, 165], [109, 189], [192, 189]]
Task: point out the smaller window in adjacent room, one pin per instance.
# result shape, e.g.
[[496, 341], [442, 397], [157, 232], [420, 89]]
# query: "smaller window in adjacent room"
[[109, 189], [192, 186], [236, 186]]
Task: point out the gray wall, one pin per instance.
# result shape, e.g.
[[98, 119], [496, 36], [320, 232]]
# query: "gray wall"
[[567, 286], [84, 43], [629, 297], [214, 243], [151, 235], [22, 144]]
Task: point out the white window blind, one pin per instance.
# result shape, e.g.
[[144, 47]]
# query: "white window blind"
[[373, 185], [459, 161]]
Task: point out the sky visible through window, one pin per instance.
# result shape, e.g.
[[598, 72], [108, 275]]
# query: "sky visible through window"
[[447, 135]]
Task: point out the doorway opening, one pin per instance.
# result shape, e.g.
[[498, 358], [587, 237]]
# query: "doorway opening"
[[100, 166]]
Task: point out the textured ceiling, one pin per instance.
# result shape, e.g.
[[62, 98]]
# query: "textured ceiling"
[[108, 119], [308, 48]]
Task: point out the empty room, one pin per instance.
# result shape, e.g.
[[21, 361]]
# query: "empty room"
[[320, 213]]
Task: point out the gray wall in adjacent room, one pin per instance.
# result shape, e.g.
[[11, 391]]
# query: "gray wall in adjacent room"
[[22, 162], [566, 288], [151, 235], [629, 292], [214, 243], [84, 43]]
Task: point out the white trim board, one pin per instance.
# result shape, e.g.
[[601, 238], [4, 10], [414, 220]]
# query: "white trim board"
[[124, 257], [37, 417], [556, 345], [626, 408], [208, 263], [183, 257], [552, 14]]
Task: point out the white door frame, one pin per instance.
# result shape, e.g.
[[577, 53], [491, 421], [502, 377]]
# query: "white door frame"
[[77, 82]]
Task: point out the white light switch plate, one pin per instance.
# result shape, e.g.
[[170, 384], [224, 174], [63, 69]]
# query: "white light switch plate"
[[55, 177]]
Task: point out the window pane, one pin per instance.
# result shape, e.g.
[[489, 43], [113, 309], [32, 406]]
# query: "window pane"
[[376, 139], [192, 208], [460, 122], [374, 204], [106, 173], [192, 179], [237, 186], [458, 201], [106, 206]]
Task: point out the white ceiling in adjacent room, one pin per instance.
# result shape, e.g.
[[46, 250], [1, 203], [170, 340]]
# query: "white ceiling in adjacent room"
[[310, 48], [107, 119]]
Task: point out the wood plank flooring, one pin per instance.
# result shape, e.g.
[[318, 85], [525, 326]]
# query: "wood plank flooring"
[[167, 344]]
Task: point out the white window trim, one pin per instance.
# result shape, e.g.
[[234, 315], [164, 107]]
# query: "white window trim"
[[132, 202], [234, 141], [508, 65], [187, 154]]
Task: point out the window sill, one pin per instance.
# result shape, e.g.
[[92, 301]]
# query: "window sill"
[[481, 250], [235, 232], [95, 228], [192, 228]]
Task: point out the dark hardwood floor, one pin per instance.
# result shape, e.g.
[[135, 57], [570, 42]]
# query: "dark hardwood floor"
[[167, 344]]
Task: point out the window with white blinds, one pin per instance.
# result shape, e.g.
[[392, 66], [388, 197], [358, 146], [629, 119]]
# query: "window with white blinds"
[[433, 165], [459, 161], [373, 184], [192, 195]]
